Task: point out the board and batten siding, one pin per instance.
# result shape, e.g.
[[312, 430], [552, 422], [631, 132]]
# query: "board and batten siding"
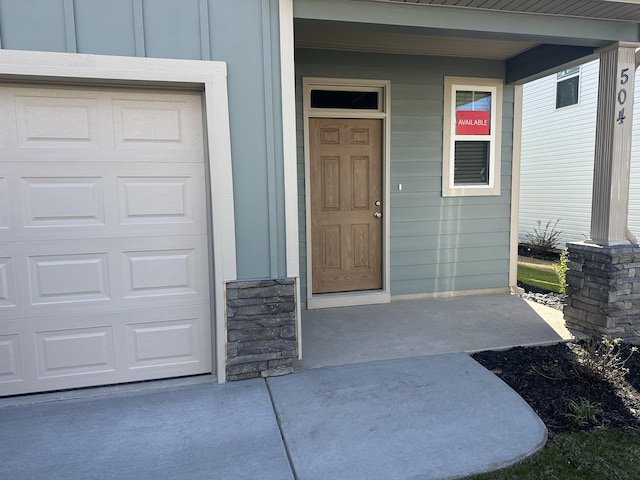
[[437, 244], [557, 159], [244, 34]]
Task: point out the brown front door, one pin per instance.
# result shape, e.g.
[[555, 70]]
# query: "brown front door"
[[346, 204]]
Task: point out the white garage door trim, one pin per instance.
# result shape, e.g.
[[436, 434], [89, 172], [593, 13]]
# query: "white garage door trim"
[[210, 77]]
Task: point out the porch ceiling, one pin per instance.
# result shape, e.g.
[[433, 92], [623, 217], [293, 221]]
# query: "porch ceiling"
[[533, 38], [351, 38], [627, 11]]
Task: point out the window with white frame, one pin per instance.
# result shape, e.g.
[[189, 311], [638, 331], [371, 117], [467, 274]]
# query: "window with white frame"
[[471, 143], [567, 87]]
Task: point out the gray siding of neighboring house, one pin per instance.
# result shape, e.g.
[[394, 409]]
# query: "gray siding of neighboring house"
[[437, 244], [557, 159], [243, 34]]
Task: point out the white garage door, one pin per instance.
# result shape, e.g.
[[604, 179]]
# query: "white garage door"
[[103, 237]]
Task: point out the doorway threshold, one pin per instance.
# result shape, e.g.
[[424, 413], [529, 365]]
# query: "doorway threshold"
[[348, 299]]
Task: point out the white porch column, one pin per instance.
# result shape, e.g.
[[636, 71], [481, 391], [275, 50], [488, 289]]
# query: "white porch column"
[[610, 198]]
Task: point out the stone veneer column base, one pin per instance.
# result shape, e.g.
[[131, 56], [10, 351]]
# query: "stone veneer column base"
[[261, 328], [603, 287]]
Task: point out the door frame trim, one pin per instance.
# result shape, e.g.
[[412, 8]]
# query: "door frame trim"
[[365, 297]]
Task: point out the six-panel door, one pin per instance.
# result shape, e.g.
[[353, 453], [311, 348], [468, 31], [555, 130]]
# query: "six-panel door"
[[346, 204]]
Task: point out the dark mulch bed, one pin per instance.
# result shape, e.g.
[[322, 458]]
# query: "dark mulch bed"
[[548, 378], [532, 288]]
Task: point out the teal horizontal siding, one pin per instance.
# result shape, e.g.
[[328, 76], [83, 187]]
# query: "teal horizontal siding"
[[401, 199], [408, 243], [443, 255], [447, 284], [415, 123], [448, 212], [437, 244], [451, 269], [448, 227], [410, 139]]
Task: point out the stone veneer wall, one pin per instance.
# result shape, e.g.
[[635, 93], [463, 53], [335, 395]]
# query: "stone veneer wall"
[[604, 290], [261, 328]]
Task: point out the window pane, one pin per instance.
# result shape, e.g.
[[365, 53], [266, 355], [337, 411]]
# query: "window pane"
[[567, 92], [472, 100], [471, 165], [344, 99]]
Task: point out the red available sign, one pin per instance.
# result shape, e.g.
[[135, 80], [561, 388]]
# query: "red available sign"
[[472, 122]]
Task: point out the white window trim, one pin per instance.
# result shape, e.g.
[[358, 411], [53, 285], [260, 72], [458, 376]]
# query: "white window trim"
[[208, 77], [451, 85]]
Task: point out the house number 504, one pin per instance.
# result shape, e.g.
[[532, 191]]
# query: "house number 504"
[[622, 95]]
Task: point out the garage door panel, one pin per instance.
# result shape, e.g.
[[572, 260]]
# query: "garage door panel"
[[101, 348], [170, 342], [104, 247], [160, 272], [10, 359], [62, 201], [157, 156], [8, 297], [4, 203], [164, 200], [168, 339], [153, 124], [68, 278], [101, 126], [163, 271], [75, 125], [102, 201], [75, 351], [110, 275]]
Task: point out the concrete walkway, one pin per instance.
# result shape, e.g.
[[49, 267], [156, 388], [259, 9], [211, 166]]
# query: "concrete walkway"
[[408, 415], [205, 431], [434, 417]]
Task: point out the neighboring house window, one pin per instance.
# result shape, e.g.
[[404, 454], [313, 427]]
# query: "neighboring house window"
[[472, 126], [567, 87]]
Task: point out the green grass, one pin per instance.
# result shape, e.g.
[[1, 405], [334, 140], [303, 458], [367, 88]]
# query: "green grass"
[[538, 278], [600, 454]]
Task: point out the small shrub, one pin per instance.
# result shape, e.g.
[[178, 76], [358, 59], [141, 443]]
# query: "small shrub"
[[544, 238], [583, 413], [561, 268], [602, 359]]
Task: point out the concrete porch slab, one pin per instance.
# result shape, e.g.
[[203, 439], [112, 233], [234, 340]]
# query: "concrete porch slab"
[[406, 328]]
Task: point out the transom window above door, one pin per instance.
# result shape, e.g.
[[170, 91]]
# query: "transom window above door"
[[326, 98], [349, 99]]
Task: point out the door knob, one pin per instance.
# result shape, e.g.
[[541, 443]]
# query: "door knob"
[[377, 215]]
